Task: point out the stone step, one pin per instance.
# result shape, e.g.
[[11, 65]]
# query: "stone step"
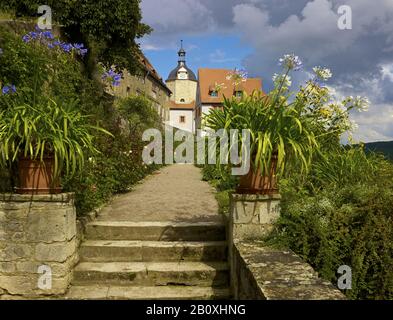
[[202, 274], [156, 231], [137, 251], [147, 293]]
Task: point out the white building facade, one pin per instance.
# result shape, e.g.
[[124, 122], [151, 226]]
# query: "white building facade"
[[183, 84]]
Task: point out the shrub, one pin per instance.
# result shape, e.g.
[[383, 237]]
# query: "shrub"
[[342, 214]]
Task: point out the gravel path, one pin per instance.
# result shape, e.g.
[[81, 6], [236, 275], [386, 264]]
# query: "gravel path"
[[176, 193]]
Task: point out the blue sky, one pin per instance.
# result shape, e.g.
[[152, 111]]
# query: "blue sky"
[[204, 51], [254, 34]]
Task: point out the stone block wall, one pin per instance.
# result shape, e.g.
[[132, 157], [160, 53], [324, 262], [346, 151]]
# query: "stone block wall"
[[253, 216], [36, 231], [259, 272], [271, 274]]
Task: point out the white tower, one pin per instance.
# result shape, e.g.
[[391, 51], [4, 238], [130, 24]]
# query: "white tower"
[[183, 84]]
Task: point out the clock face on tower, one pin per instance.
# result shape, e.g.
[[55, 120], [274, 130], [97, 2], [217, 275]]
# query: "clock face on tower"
[[182, 75]]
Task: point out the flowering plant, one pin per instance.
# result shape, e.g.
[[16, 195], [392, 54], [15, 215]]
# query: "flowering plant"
[[237, 76], [39, 115], [292, 126], [111, 77]]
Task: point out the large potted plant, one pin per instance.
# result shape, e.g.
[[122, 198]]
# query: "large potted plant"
[[279, 131], [45, 140]]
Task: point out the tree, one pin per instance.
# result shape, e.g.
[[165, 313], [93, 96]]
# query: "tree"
[[108, 28]]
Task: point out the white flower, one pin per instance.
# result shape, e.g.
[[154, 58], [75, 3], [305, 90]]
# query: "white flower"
[[361, 103], [353, 125], [323, 74], [278, 79], [290, 61]]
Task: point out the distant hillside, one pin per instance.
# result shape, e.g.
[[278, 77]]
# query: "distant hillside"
[[381, 147]]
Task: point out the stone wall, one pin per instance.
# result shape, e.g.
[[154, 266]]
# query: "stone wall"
[[36, 231], [259, 272], [253, 215], [266, 273]]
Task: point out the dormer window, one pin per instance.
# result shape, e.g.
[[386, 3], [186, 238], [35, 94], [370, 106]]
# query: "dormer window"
[[213, 92], [238, 94]]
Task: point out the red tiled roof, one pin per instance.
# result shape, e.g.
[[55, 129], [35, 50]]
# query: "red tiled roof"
[[208, 78], [173, 105], [152, 72]]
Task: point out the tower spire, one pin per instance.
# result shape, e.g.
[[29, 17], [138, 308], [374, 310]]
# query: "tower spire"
[[182, 54]]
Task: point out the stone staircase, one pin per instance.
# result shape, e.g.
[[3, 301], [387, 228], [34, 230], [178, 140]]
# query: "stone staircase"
[[152, 260]]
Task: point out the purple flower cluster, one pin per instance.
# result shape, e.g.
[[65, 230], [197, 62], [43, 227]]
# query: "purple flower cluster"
[[112, 77], [48, 39], [8, 89]]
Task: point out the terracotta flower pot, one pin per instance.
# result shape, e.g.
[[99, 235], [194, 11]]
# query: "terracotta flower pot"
[[36, 177], [255, 183]]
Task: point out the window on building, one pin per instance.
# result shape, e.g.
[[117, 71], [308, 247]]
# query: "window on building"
[[182, 119], [182, 100], [238, 94], [213, 93], [128, 90]]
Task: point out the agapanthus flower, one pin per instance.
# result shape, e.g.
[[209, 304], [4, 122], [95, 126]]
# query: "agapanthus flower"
[[26, 38], [112, 77], [237, 76], [8, 89], [47, 38], [66, 47], [361, 103], [279, 78], [322, 74], [48, 35], [291, 62], [80, 49]]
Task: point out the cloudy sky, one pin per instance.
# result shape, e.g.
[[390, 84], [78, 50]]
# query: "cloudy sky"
[[253, 34]]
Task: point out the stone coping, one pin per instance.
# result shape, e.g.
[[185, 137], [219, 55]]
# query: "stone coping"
[[282, 275], [254, 197], [14, 197]]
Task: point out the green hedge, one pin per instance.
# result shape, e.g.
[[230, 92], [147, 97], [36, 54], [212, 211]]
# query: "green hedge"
[[342, 214]]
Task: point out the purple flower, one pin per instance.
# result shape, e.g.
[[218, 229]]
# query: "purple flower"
[[34, 35], [8, 89], [48, 35], [5, 90], [112, 77], [83, 52], [80, 49], [67, 47], [26, 38], [78, 46]]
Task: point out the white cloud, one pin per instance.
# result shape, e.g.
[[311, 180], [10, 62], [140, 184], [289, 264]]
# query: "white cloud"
[[219, 56], [166, 16]]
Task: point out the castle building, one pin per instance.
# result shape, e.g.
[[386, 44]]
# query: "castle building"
[[147, 83], [193, 98], [183, 84], [214, 85]]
